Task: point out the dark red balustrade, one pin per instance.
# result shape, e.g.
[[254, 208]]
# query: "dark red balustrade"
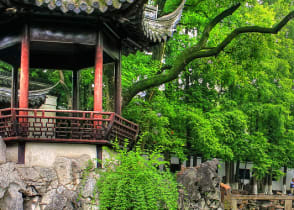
[[65, 126]]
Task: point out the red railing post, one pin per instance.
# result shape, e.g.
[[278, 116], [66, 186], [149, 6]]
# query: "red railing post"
[[14, 122], [109, 127]]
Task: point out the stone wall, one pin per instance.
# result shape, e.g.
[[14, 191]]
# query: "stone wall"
[[200, 187], [36, 188], [60, 186]]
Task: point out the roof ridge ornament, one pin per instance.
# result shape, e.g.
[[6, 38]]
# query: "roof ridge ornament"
[[159, 29]]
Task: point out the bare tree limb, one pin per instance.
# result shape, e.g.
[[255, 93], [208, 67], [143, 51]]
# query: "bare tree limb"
[[199, 51]]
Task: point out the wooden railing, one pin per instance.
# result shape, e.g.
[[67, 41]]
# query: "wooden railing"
[[287, 199], [65, 126]]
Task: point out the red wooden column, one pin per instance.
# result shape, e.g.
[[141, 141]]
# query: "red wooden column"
[[24, 87], [98, 80], [24, 73], [98, 85]]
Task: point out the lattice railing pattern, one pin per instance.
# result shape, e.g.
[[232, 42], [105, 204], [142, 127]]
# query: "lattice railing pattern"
[[6, 123], [34, 124]]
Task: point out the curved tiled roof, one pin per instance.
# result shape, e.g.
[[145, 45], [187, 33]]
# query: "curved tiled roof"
[[136, 23], [78, 6], [159, 29]]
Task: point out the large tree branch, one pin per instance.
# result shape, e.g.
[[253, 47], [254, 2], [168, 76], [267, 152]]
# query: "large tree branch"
[[248, 29], [205, 35], [197, 51]]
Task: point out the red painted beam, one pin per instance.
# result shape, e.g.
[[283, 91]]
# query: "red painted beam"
[[24, 73], [98, 80]]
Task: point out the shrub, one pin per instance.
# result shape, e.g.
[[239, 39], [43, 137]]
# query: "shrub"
[[133, 181]]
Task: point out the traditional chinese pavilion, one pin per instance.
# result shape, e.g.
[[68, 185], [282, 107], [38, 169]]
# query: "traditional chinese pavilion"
[[71, 35]]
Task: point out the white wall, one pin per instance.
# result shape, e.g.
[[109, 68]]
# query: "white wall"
[[11, 152], [44, 154]]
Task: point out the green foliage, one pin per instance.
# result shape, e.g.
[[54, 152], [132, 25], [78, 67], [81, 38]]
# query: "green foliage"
[[236, 106], [156, 124], [141, 65], [133, 181]]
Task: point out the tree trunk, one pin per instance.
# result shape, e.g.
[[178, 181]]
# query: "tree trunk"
[[232, 173], [237, 175], [265, 185], [284, 188], [108, 89], [91, 93], [254, 184], [254, 188], [270, 184], [67, 90], [227, 174]]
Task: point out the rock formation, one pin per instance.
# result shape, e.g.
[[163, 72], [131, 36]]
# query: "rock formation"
[[62, 186], [200, 187], [2, 151], [38, 188]]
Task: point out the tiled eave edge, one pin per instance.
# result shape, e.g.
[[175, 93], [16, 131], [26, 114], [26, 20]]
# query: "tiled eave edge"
[[82, 6], [160, 29]]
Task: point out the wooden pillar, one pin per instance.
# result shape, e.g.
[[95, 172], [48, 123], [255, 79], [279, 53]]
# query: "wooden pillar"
[[75, 89], [98, 79], [14, 87], [24, 73], [117, 93], [24, 86]]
